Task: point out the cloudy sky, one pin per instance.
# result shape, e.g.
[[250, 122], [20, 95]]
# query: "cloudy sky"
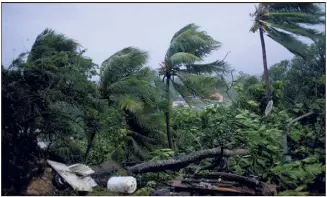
[[106, 28]]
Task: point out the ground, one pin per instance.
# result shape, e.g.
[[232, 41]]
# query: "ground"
[[42, 185]]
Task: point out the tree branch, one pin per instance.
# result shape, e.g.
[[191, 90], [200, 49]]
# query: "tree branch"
[[288, 129], [176, 164], [298, 118]]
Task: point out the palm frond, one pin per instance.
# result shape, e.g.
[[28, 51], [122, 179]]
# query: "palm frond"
[[184, 92], [217, 66], [297, 30], [145, 73], [190, 40], [199, 85], [128, 102], [124, 85], [183, 58], [295, 17], [122, 64], [311, 8], [288, 41], [191, 27]]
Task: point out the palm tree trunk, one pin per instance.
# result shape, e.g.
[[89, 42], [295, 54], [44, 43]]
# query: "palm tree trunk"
[[168, 112], [265, 67]]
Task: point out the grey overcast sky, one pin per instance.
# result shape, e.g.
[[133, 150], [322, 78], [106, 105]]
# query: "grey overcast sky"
[[104, 28]]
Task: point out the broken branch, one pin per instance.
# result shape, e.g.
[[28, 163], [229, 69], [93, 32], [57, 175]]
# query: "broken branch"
[[183, 161]]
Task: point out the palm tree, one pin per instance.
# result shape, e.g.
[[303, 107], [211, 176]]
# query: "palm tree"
[[282, 22], [188, 47], [130, 86]]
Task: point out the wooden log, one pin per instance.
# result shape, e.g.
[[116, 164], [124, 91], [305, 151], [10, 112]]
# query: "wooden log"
[[183, 161]]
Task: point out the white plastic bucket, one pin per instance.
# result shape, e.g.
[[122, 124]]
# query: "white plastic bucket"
[[124, 184]]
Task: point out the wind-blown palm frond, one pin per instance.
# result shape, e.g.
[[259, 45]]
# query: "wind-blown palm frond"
[[210, 68], [191, 27], [296, 17], [129, 58], [183, 58], [302, 7], [122, 64], [296, 29], [288, 41], [199, 86], [129, 102], [192, 41], [283, 20]]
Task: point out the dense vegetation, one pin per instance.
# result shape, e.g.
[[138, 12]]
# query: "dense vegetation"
[[127, 116]]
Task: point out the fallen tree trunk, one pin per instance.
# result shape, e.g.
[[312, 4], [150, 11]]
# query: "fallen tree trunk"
[[183, 161]]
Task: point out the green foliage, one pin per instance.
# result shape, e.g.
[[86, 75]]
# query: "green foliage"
[[242, 125], [145, 191], [292, 193], [162, 154]]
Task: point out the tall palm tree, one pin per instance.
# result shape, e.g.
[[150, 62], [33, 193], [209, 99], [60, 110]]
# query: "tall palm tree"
[[188, 47], [282, 22], [128, 84]]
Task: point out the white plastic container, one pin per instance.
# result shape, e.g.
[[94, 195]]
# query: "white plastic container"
[[123, 184]]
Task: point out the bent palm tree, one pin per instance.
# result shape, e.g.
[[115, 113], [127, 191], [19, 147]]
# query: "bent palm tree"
[[188, 47], [127, 83], [282, 22]]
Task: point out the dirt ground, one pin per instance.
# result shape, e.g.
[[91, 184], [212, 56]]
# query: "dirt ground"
[[42, 185]]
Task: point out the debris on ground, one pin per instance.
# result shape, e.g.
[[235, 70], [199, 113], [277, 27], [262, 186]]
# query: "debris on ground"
[[216, 184]]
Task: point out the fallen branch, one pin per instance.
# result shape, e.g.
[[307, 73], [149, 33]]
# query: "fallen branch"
[[183, 161], [230, 177], [288, 130], [259, 187]]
